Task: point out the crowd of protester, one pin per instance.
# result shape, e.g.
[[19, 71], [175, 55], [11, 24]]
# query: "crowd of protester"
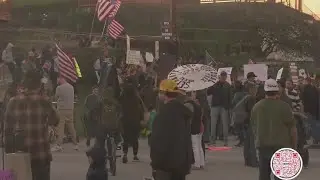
[[256, 112]]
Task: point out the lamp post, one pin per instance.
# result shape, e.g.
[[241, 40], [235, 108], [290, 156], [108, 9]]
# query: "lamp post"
[[173, 20]]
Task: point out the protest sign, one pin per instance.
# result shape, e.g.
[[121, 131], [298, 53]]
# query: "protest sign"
[[279, 74], [194, 77], [149, 57], [260, 70], [134, 57]]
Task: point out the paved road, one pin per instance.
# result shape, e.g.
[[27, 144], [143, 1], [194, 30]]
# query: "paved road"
[[221, 165]]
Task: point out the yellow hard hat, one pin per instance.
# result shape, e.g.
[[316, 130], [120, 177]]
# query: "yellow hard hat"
[[168, 85]]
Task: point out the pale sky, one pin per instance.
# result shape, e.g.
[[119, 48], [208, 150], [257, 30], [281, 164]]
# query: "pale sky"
[[314, 5]]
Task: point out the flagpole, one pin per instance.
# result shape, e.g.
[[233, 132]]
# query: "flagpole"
[[104, 27], [93, 20]]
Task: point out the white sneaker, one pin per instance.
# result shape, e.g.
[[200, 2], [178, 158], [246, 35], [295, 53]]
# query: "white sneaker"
[[56, 148]]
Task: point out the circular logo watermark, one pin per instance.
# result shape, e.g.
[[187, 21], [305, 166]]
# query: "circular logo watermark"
[[286, 164]]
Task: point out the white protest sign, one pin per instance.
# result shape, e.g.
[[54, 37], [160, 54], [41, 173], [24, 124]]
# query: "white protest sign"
[[228, 70], [260, 70], [194, 77], [279, 74], [149, 57], [134, 57]]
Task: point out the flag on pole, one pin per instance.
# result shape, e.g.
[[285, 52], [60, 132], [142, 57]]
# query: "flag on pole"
[[105, 9], [115, 29], [66, 66], [209, 59], [116, 4]]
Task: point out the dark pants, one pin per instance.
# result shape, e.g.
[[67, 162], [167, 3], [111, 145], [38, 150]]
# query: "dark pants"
[[265, 155], [40, 170], [249, 150], [203, 146], [134, 143], [54, 78], [304, 153], [240, 131], [162, 175]]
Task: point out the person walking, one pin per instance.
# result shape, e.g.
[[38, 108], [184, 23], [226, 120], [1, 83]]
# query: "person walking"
[[32, 113], [92, 113], [132, 116], [273, 127], [7, 58], [220, 105], [170, 142], [65, 106], [197, 129], [249, 150]]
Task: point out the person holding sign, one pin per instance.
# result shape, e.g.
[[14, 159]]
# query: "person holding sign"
[[220, 105]]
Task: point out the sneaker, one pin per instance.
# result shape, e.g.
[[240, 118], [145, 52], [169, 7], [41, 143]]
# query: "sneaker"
[[56, 148], [76, 147], [135, 158], [196, 168], [124, 159]]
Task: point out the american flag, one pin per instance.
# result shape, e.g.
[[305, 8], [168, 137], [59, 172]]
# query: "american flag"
[[117, 4], [66, 66], [115, 29], [107, 9]]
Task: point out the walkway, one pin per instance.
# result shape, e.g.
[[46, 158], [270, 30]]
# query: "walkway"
[[220, 165]]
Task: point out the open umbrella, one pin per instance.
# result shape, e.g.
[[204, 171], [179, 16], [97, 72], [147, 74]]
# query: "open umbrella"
[[194, 77]]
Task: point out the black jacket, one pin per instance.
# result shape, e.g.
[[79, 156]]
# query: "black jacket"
[[170, 143], [196, 118], [310, 99], [221, 94]]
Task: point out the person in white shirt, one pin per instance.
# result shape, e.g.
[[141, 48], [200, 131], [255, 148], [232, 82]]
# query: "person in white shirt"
[[7, 58], [65, 106], [97, 69]]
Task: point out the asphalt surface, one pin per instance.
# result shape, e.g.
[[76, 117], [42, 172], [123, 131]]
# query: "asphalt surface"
[[228, 165]]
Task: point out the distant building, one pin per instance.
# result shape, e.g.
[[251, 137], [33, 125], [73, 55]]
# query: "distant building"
[[92, 3]]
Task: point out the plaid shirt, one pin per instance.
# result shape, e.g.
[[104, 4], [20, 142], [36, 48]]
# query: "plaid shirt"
[[33, 114]]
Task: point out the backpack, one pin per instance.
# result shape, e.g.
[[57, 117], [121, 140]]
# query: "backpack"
[[240, 111], [110, 114]]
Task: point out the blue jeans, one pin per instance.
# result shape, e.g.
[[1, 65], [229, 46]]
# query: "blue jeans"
[[222, 113]]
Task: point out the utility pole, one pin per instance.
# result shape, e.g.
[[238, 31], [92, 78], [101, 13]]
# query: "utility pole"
[[173, 21]]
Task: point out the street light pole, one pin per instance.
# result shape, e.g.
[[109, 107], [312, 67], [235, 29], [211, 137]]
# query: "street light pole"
[[173, 21]]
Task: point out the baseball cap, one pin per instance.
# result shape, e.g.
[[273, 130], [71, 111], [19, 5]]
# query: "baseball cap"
[[223, 73], [250, 75], [168, 85], [271, 85]]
